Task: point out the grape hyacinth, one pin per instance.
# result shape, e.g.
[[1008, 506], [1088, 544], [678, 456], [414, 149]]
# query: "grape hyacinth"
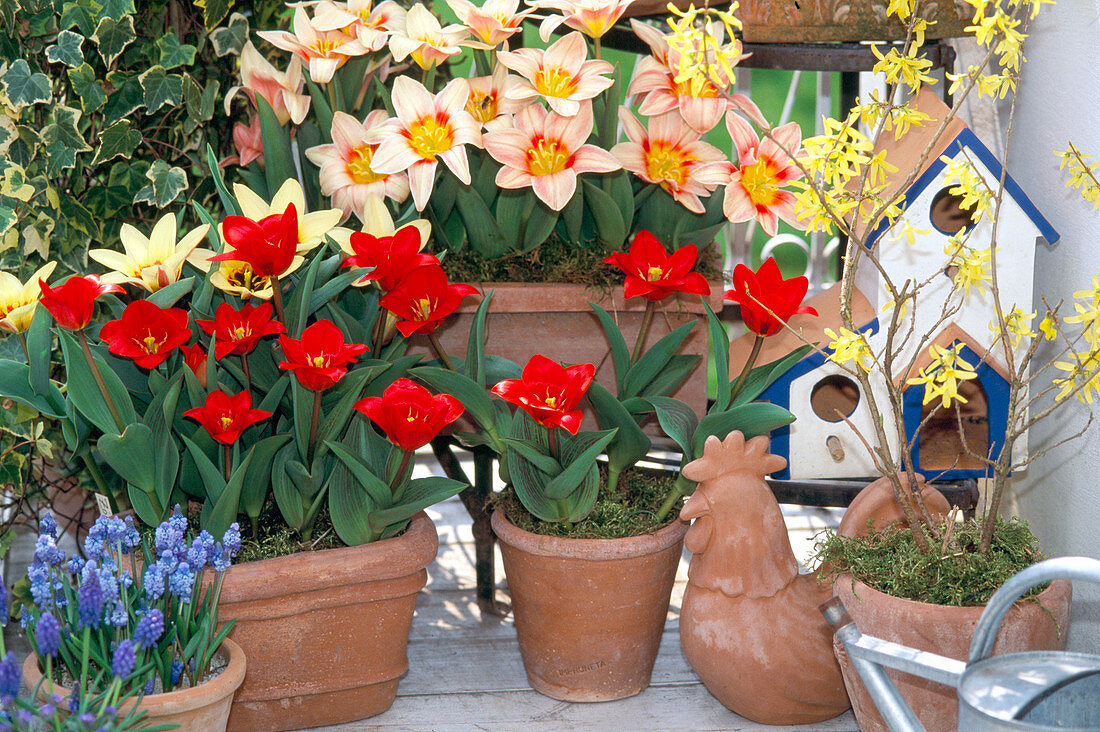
[[10, 677], [124, 658], [90, 599], [149, 629], [48, 634]]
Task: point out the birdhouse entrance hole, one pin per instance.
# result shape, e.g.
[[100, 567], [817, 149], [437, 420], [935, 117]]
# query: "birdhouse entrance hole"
[[939, 443], [834, 398], [947, 212]]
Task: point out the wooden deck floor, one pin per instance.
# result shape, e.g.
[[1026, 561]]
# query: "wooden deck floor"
[[465, 671]]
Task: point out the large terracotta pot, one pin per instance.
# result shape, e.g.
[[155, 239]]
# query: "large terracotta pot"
[[821, 21], [589, 613], [204, 708], [325, 632], [1028, 626], [554, 319]]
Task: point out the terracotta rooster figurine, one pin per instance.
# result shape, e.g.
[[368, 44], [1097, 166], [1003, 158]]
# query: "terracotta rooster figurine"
[[749, 624]]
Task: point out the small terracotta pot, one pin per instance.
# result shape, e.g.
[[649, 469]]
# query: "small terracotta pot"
[[1028, 626], [589, 613], [203, 708], [325, 631]]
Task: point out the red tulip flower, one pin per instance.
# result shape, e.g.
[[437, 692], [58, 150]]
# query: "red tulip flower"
[[549, 392], [268, 245], [410, 415], [225, 417], [238, 331], [320, 357], [392, 257], [146, 333], [653, 274], [71, 304], [766, 290], [195, 358], [423, 298]]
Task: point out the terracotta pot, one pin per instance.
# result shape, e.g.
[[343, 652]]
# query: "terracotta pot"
[[204, 708], [325, 631], [1028, 626], [589, 613], [821, 21], [554, 319]]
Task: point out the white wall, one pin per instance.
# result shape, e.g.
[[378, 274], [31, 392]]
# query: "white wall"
[[1059, 101]]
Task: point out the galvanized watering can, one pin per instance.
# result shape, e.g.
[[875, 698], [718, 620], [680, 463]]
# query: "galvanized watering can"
[[1040, 690]]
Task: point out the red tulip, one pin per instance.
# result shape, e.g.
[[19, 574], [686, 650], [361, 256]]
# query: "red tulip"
[[238, 331], [764, 290], [319, 358], [392, 257], [72, 303], [146, 333], [225, 417], [549, 392], [410, 415], [423, 298], [195, 358], [269, 245], [653, 274]]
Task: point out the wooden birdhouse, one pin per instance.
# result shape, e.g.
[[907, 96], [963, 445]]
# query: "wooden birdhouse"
[[827, 402]]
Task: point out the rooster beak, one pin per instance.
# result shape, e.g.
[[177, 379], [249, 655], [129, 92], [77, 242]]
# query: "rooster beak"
[[695, 506]]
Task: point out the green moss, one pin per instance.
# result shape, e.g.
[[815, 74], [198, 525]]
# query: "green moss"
[[630, 510], [556, 260], [276, 539], [891, 562]]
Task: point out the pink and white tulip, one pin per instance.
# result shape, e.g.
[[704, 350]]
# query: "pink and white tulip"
[[672, 155], [561, 74], [369, 23], [489, 104], [594, 18], [249, 141], [426, 41], [755, 187], [494, 22], [426, 130], [346, 174], [323, 51], [546, 151], [282, 90], [698, 100]]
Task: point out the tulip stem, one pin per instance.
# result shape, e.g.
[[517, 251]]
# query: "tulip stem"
[[99, 380], [89, 462], [643, 331], [554, 445], [314, 423], [670, 501], [747, 368], [227, 461], [440, 352], [334, 95], [596, 40], [247, 375], [397, 488], [277, 298], [23, 342]]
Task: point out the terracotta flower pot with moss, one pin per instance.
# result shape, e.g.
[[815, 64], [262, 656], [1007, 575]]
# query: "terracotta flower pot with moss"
[[326, 631], [589, 613], [1034, 624], [203, 708]]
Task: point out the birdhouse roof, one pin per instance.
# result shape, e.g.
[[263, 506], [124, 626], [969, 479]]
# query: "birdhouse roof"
[[912, 153]]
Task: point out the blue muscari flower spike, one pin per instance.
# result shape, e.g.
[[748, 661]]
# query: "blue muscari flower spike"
[[47, 526], [222, 559], [131, 539], [25, 717], [90, 598], [43, 584], [48, 634], [108, 581], [10, 677], [165, 538], [149, 685], [74, 698], [119, 617], [232, 539], [153, 581], [74, 565], [200, 552], [181, 582], [46, 551], [96, 543], [149, 629], [178, 520], [123, 660], [4, 615], [177, 671]]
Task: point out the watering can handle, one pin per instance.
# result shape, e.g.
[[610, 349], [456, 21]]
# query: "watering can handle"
[[1071, 568]]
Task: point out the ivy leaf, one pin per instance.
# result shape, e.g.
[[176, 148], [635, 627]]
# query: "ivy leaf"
[[118, 140], [81, 14], [66, 49], [173, 53], [213, 12], [165, 185], [63, 141], [127, 96], [113, 36], [231, 37], [161, 88], [87, 87], [199, 101], [24, 87], [115, 9]]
